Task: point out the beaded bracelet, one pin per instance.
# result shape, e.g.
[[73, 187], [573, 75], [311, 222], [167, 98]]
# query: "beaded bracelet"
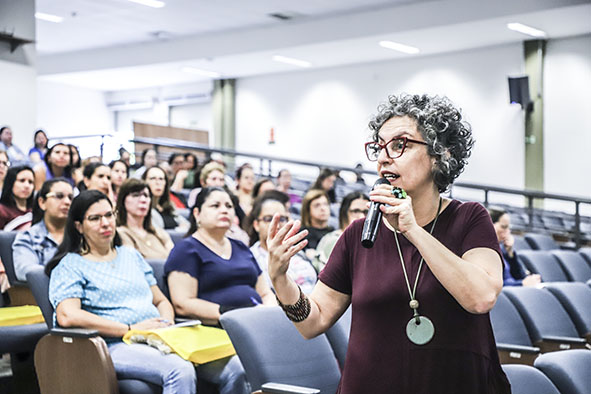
[[299, 311]]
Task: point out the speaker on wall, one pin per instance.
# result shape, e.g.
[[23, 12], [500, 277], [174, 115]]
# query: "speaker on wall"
[[519, 92]]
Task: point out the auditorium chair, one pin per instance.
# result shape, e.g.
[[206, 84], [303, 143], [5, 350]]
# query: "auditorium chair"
[[513, 342], [19, 293], [272, 351], [576, 300], [176, 236], [569, 370], [548, 324], [574, 265], [586, 253], [541, 241], [338, 336], [520, 243], [525, 379], [544, 263]]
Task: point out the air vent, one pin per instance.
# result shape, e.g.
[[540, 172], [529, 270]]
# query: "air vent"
[[283, 16]]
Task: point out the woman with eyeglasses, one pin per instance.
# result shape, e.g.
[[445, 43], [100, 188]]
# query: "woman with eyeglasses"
[[164, 214], [4, 165], [56, 163], [134, 221], [353, 207], [37, 245], [264, 208], [16, 202], [315, 215], [97, 283], [421, 294], [209, 273]]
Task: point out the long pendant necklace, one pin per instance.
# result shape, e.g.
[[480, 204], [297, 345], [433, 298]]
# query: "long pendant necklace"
[[420, 329]]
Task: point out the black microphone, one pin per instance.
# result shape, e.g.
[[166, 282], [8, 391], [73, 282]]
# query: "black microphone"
[[372, 220]]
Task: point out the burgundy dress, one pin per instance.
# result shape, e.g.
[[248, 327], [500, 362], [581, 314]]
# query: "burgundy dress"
[[460, 359]]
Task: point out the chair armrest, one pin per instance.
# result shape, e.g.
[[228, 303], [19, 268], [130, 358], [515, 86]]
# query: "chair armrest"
[[517, 354], [517, 348], [74, 332], [554, 343], [280, 388]]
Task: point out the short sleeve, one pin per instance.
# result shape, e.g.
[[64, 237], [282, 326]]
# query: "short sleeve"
[[24, 256], [480, 232], [66, 281], [337, 272], [184, 258], [143, 265]]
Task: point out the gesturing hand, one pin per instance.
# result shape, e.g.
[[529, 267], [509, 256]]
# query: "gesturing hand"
[[283, 243]]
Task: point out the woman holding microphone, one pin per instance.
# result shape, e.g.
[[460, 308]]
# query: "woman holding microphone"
[[421, 295]]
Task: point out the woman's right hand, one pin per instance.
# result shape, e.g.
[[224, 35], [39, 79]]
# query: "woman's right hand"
[[283, 243], [151, 324]]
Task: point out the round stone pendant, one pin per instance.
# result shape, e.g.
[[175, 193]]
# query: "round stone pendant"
[[420, 333]]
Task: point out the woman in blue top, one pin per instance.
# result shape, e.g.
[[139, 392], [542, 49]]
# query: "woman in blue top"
[[209, 273], [96, 283]]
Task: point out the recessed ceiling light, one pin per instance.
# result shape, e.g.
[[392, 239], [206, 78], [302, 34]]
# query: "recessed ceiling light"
[[530, 31], [150, 3], [198, 71], [399, 47], [48, 17], [292, 61]]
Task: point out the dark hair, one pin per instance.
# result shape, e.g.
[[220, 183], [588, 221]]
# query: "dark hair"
[[195, 160], [145, 152], [201, 198], [3, 128], [112, 164], [324, 173], [257, 207], [90, 168], [174, 156], [346, 204], [40, 131], [7, 197], [241, 169], [311, 195], [258, 185], [496, 213], [39, 213], [74, 148], [449, 138], [68, 169], [281, 172], [73, 241], [164, 199], [129, 186]]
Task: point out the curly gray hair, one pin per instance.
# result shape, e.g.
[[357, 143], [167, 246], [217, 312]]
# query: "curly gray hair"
[[440, 123]]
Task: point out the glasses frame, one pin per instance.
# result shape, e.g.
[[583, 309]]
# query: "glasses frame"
[[56, 196], [405, 140], [96, 219]]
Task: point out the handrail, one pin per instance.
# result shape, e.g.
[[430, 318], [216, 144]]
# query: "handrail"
[[529, 194]]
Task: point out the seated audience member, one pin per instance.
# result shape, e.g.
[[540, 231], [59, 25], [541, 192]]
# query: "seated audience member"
[[97, 176], [4, 165], [125, 157], [163, 213], [212, 174], [300, 268], [179, 173], [15, 154], [37, 152], [76, 164], [284, 185], [326, 181], [149, 159], [16, 201], [191, 166], [209, 273], [119, 173], [513, 272], [262, 186], [98, 284], [134, 221], [56, 163], [315, 215], [244, 184], [353, 207], [37, 245]]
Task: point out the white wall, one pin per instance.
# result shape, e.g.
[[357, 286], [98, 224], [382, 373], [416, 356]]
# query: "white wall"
[[18, 92], [64, 110], [322, 115], [567, 133]]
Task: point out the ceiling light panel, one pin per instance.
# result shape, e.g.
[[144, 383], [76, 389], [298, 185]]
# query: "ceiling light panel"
[[399, 47], [527, 30], [48, 17], [150, 3], [292, 61]]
